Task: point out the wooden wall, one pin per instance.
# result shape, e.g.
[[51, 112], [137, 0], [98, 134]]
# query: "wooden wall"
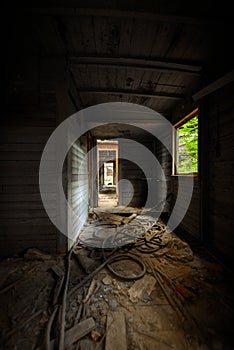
[[210, 214], [78, 189], [191, 222], [219, 199], [23, 220], [136, 193], [30, 113]]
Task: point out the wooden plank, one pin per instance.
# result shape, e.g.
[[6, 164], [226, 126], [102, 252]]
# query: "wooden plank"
[[141, 288], [26, 213], [116, 332], [109, 216], [77, 332], [26, 197], [217, 84], [13, 222], [153, 64], [25, 134], [116, 13], [28, 232], [132, 92]]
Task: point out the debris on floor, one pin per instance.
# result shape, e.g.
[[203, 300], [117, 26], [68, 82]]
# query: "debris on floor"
[[154, 292]]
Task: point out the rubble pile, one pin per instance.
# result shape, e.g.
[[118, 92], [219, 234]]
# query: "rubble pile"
[[137, 295]]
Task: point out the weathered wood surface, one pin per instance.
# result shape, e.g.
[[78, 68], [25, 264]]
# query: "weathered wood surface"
[[116, 337]]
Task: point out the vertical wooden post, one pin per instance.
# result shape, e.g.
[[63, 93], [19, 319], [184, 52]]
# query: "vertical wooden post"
[[203, 161]]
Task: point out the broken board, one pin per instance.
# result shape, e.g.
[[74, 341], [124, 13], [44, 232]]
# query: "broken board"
[[116, 331]]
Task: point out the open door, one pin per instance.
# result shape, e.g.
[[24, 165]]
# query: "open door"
[[107, 174]]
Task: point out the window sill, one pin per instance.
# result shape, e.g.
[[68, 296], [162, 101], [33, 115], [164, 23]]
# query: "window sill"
[[195, 176]]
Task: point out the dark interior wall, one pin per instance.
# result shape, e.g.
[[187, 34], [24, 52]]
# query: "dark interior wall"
[[210, 214], [29, 117], [24, 222], [191, 222], [137, 194], [219, 199], [32, 105], [135, 191]]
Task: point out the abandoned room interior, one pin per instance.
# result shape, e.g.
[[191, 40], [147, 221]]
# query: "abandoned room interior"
[[116, 169]]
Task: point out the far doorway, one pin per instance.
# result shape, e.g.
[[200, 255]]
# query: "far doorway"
[[107, 163]]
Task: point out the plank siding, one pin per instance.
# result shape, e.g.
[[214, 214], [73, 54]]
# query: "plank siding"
[[220, 189], [23, 220], [136, 193], [191, 220], [78, 190]]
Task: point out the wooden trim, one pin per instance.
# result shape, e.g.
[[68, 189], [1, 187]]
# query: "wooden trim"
[[217, 84], [204, 173], [187, 117]]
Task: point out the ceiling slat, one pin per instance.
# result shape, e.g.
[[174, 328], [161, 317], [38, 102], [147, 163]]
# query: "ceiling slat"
[[136, 63], [132, 92]]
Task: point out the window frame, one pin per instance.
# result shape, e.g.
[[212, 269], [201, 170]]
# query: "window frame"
[[195, 112]]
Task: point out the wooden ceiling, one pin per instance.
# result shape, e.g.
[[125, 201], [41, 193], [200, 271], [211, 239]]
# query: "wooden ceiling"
[[148, 57]]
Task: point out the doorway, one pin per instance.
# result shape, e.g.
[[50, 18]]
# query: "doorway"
[[107, 164]]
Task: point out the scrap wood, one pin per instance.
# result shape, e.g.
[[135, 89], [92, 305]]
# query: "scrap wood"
[[23, 324], [175, 302], [187, 294], [141, 288], [127, 219], [11, 285], [36, 254], [79, 311], [166, 278], [77, 332], [107, 262], [108, 216], [87, 278], [91, 289], [116, 331], [115, 218], [165, 290]]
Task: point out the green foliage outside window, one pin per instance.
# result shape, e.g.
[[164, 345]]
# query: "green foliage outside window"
[[188, 147]]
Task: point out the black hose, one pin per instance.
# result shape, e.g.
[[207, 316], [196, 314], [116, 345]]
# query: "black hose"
[[126, 257]]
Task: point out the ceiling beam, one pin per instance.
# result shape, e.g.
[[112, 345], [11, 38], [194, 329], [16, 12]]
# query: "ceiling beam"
[[154, 65], [115, 13], [217, 84], [140, 93]]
